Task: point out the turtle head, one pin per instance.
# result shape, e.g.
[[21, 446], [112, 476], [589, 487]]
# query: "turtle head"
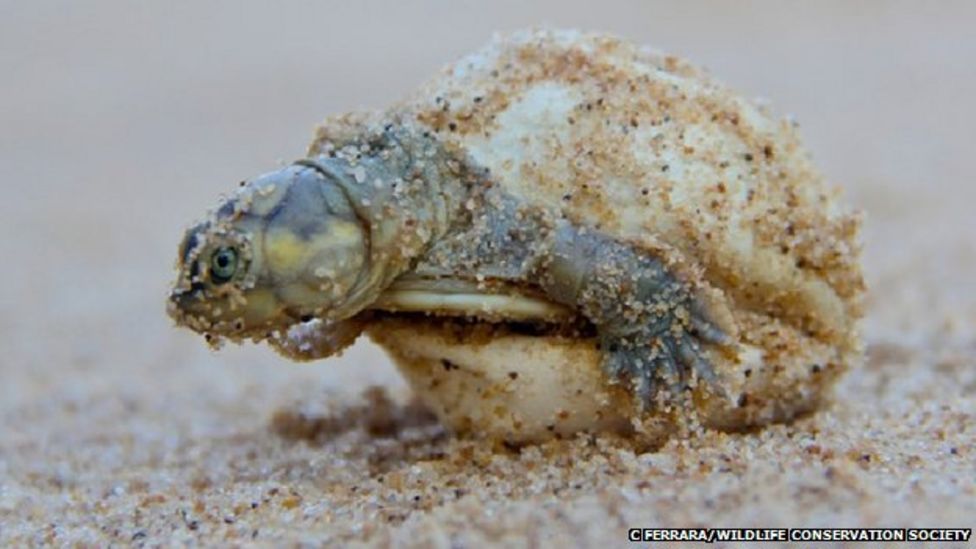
[[285, 247]]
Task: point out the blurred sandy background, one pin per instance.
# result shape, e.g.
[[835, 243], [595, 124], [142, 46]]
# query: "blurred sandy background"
[[121, 122]]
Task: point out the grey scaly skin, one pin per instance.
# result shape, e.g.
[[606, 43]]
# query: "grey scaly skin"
[[324, 238]]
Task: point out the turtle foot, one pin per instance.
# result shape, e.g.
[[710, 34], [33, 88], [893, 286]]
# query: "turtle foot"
[[668, 361]]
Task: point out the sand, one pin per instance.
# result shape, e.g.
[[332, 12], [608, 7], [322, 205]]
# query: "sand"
[[119, 124]]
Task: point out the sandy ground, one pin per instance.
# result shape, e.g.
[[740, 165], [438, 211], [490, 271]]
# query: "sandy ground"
[[119, 124]]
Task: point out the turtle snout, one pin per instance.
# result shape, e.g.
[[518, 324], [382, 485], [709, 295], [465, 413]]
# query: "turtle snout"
[[193, 308], [184, 302]]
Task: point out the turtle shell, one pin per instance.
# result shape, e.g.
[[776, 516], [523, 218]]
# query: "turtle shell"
[[651, 150]]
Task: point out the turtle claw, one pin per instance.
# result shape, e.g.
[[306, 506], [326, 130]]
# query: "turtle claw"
[[703, 326], [665, 370], [691, 356], [708, 332], [650, 364]]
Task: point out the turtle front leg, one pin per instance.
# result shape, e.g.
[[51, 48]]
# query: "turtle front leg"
[[651, 325], [315, 338]]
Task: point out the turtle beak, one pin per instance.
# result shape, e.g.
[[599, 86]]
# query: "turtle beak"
[[231, 314], [185, 300]]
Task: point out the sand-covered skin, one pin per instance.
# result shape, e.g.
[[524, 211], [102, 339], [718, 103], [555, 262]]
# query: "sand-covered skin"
[[115, 427]]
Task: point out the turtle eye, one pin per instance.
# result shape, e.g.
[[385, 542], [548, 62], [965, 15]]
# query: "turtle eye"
[[223, 264]]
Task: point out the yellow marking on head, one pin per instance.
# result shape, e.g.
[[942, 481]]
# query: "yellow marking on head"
[[341, 233], [290, 255], [287, 253]]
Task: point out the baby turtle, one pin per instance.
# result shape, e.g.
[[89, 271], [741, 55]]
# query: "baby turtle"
[[570, 182]]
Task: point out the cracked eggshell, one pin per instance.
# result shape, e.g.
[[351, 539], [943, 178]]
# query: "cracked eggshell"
[[486, 381], [507, 386]]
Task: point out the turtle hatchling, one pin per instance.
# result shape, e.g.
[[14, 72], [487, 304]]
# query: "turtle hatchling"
[[557, 201]]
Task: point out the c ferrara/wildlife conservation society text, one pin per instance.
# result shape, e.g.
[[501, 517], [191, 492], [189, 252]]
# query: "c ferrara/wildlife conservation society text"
[[712, 535]]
